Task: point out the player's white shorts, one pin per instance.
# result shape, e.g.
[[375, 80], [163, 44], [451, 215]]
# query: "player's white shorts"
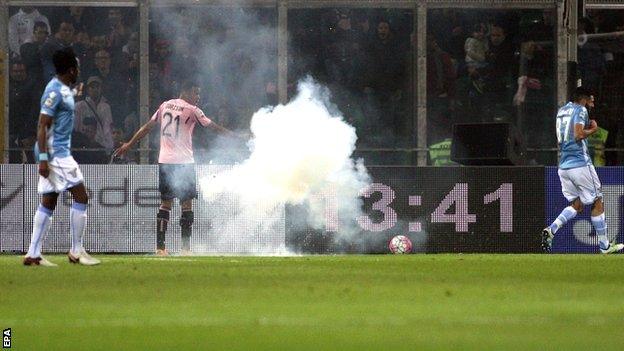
[[581, 182], [64, 174]]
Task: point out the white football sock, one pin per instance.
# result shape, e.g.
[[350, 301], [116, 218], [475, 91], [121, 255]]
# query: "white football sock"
[[77, 224], [564, 217], [41, 224], [601, 230]]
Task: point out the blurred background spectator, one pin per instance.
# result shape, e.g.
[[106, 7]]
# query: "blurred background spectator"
[[30, 54], [85, 149], [441, 77], [63, 37], [21, 26], [96, 107], [23, 112]]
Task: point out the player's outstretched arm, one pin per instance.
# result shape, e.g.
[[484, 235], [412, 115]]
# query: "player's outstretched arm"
[[45, 122], [224, 131], [143, 131]]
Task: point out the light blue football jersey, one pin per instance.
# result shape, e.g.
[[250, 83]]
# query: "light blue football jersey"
[[572, 153], [57, 102]]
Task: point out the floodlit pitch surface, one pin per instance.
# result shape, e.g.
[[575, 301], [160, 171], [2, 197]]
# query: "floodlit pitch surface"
[[383, 302]]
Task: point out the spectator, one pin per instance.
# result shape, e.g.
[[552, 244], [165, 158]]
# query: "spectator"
[[61, 39], [118, 31], [343, 54], [22, 111], [113, 84], [441, 72], [183, 60], [117, 35], [98, 42], [77, 18], [441, 76], [94, 153], [131, 52], [387, 64], [386, 77], [448, 24], [163, 66], [132, 45], [497, 76], [82, 44], [363, 29], [476, 47], [21, 27], [591, 62], [534, 85], [96, 107], [30, 54]]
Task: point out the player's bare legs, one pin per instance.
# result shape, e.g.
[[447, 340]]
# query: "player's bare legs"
[[77, 224], [564, 217], [186, 224], [162, 219], [597, 207], [41, 225]]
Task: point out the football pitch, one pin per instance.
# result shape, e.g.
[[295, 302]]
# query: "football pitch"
[[374, 302]]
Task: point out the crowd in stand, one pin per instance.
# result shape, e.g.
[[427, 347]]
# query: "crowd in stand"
[[492, 66], [105, 41], [364, 57], [482, 66]]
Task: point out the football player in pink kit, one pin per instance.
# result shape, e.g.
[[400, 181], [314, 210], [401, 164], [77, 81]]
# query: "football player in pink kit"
[[176, 165]]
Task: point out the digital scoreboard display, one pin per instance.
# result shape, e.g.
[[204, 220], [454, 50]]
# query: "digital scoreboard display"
[[448, 209]]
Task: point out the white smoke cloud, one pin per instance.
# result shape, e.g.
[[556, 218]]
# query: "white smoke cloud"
[[300, 155]]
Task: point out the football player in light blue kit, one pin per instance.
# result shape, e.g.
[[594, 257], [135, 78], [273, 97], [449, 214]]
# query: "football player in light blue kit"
[[579, 182], [58, 170]]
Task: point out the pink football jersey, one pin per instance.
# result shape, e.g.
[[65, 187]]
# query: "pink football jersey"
[[177, 120]]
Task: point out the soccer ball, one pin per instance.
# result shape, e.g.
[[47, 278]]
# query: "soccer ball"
[[400, 244]]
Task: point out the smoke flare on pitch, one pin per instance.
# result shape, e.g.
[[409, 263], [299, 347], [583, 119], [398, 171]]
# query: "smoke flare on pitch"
[[300, 155]]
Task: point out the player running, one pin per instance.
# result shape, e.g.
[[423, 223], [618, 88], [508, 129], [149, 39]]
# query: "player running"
[[579, 182], [176, 165], [57, 168]]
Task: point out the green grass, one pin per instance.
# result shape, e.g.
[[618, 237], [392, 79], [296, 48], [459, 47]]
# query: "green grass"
[[424, 302]]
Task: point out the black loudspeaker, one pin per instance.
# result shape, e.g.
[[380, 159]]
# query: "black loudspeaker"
[[491, 144]]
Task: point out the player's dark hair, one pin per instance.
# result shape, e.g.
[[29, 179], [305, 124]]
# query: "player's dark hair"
[[64, 60], [581, 93], [188, 84]]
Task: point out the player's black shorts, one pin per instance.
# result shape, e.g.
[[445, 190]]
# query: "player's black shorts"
[[177, 180]]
